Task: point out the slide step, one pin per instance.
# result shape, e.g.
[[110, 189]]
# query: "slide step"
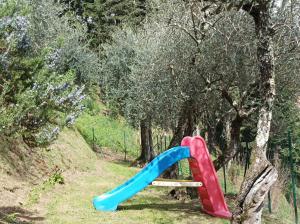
[[177, 183]]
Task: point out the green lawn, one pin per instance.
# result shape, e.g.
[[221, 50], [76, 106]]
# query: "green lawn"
[[72, 202]]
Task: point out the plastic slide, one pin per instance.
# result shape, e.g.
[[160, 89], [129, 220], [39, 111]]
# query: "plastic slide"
[[202, 168]]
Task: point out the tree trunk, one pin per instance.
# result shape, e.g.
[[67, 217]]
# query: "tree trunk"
[[185, 127], [211, 135], [147, 152], [179, 131], [233, 143], [261, 175]]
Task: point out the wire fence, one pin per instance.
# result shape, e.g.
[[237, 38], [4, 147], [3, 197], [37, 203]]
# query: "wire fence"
[[122, 143], [161, 144]]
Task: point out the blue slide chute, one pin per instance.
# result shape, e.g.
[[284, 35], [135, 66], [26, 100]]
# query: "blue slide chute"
[[110, 200]]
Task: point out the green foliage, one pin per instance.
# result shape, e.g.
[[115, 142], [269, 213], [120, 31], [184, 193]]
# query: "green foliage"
[[137, 76], [45, 65], [10, 218], [158, 69], [65, 42], [286, 116], [116, 69], [8, 8], [102, 17], [92, 106], [106, 15]]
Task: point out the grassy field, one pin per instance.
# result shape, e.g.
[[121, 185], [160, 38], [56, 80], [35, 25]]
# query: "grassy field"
[[72, 202]]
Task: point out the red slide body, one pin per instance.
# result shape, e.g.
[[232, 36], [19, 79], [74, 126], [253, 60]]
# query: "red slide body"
[[211, 195]]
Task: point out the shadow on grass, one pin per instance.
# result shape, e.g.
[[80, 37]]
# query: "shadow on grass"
[[190, 208], [160, 206], [183, 210], [18, 215], [122, 162]]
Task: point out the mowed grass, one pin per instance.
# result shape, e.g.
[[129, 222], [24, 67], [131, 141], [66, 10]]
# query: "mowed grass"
[[72, 202], [90, 176]]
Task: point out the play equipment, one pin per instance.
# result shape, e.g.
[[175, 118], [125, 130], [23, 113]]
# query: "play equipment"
[[204, 178]]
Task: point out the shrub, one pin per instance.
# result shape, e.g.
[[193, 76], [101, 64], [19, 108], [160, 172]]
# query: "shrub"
[[45, 66]]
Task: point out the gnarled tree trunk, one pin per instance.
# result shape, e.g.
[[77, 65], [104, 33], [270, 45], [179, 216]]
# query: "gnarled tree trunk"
[[261, 175], [147, 152]]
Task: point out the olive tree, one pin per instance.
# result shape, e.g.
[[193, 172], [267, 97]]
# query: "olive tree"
[[262, 174]]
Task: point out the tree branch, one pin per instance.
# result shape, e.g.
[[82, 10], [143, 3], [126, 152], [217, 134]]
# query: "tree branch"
[[226, 95]]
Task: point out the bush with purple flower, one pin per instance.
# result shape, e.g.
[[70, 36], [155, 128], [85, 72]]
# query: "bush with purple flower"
[[44, 68]]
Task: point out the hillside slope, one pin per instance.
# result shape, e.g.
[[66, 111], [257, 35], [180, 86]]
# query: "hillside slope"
[[22, 168], [27, 173]]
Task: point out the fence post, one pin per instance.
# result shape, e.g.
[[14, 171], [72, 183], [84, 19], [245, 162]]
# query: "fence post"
[[179, 169], [247, 159], [293, 176], [165, 142], [93, 130], [269, 202], [157, 144], [125, 148], [224, 175], [270, 158], [161, 143]]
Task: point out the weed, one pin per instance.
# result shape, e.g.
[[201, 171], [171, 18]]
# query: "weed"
[[35, 194], [56, 178]]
